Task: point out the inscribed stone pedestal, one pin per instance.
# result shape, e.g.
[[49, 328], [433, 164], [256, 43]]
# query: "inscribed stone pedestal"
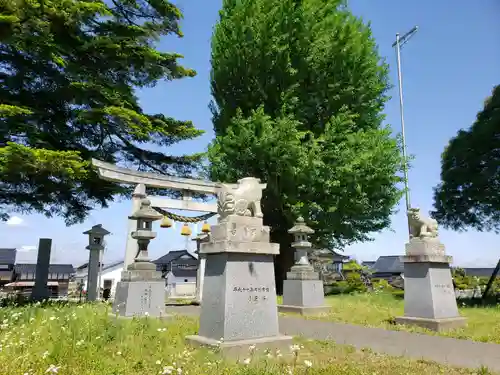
[[140, 293], [40, 289], [239, 292], [430, 300]]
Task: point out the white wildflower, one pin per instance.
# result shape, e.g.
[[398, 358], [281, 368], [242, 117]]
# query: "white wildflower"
[[308, 363], [246, 361]]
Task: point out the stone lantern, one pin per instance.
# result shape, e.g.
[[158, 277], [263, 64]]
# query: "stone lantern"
[[302, 246], [145, 216], [96, 245], [141, 291], [302, 289]]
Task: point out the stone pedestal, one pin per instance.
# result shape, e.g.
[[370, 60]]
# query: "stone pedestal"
[[429, 294], [141, 292], [40, 290], [303, 292], [239, 293]]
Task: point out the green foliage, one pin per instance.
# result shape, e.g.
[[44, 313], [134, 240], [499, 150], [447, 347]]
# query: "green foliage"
[[469, 193], [298, 91], [68, 70], [352, 284], [352, 265]]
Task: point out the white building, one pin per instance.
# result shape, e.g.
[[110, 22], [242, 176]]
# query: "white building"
[[109, 277], [181, 283]]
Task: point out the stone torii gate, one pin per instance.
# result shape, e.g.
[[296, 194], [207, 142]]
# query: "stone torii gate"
[[142, 180]]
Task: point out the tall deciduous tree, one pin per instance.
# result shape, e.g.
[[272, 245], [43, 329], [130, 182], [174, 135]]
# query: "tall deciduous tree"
[[298, 90], [68, 69], [469, 193]]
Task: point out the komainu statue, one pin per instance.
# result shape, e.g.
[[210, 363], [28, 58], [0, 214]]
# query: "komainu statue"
[[421, 226], [241, 199]]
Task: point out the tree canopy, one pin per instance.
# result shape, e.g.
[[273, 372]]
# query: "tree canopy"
[[68, 70], [298, 90], [469, 193]]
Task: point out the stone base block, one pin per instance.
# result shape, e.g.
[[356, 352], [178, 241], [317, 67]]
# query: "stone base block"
[[437, 325], [303, 310], [240, 349], [140, 298], [306, 293]]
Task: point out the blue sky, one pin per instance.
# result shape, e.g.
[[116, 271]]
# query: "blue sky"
[[449, 68]]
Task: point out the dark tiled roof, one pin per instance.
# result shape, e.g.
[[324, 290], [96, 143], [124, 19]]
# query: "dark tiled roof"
[[185, 262], [105, 266], [479, 272], [53, 268], [388, 264], [368, 263], [7, 256], [172, 255], [179, 272]]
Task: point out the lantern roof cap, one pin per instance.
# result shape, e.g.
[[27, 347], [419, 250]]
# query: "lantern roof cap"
[[97, 230], [300, 227], [146, 212]]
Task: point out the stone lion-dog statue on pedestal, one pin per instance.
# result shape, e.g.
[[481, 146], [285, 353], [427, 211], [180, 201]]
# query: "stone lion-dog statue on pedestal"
[[420, 226], [242, 199]]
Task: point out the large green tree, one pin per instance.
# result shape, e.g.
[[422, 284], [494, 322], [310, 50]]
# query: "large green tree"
[[469, 193], [68, 70], [298, 89]]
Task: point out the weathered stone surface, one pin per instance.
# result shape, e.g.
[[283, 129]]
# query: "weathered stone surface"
[[239, 293], [40, 290], [140, 298], [421, 226], [425, 246], [242, 199], [239, 234], [429, 294], [303, 293]]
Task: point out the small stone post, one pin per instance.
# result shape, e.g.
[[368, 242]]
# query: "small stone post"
[[430, 300], [200, 272], [96, 240], [302, 290], [141, 291], [40, 290]]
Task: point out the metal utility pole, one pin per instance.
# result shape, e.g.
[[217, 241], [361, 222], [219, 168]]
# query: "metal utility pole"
[[399, 43]]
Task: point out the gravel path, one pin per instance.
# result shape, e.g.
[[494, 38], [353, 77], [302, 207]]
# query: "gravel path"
[[462, 353]]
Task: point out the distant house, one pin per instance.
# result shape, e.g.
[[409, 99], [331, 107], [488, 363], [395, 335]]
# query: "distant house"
[[387, 267], [181, 282], [177, 259], [110, 275], [369, 263], [328, 263], [7, 260], [58, 278]]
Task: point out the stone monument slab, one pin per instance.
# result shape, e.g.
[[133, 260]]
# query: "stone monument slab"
[[150, 303], [239, 292]]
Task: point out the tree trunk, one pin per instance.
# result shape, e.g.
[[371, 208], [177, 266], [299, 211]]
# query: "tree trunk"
[[491, 280], [285, 260]]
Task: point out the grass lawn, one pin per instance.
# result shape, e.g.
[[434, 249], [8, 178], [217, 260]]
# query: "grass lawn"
[[85, 340], [377, 310]]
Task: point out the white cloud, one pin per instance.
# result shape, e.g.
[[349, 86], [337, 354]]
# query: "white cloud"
[[27, 248], [15, 220]]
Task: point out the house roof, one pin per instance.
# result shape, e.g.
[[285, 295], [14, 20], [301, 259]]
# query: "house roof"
[[7, 256], [179, 272], [388, 264], [368, 263], [172, 255], [479, 272], [105, 266], [53, 268]]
